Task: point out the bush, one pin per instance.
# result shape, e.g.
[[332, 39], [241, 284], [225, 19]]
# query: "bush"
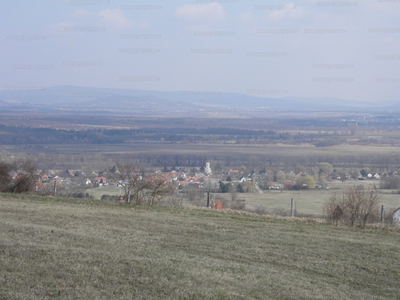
[[355, 206], [238, 204], [114, 198], [334, 208], [279, 211], [80, 195], [261, 210]]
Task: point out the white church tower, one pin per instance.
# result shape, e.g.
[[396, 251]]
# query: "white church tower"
[[207, 169]]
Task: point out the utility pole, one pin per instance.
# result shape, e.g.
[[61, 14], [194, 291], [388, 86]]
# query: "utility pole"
[[208, 194]]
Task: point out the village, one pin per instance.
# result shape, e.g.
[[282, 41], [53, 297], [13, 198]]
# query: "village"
[[202, 179]]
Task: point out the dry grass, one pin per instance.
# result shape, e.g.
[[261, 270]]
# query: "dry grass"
[[92, 250], [308, 202], [312, 201]]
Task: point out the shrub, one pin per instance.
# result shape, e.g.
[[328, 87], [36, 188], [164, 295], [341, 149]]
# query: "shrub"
[[261, 210], [238, 204], [114, 198]]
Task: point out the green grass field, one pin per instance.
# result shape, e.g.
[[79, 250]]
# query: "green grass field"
[[69, 249]]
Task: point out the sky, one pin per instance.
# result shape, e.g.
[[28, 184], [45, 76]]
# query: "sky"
[[318, 49]]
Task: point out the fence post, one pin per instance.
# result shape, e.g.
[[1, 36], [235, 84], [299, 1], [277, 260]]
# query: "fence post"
[[208, 199], [292, 207], [383, 214], [55, 188]]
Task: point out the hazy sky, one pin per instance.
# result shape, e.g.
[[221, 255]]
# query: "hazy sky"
[[344, 49]]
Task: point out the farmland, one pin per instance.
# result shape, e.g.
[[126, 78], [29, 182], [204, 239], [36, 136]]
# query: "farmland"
[[311, 202], [63, 249], [160, 153]]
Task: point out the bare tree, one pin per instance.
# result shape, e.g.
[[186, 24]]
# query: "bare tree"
[[333, 208], [368, 208], [156, 190], [139, 190], [130, 179], [355, 206], [25, 179]]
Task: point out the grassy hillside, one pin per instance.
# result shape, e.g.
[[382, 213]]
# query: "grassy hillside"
[[91, 250]]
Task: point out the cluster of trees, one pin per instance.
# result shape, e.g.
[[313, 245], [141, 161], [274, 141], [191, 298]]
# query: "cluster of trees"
[[355, 206], [304, 182], [319, 174], [22, 177], [139, 190]]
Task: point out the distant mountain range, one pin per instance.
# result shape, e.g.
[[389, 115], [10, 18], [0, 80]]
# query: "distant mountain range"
[[104, 100]]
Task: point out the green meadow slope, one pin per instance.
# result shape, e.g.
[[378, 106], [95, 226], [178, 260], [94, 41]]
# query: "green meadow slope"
[[67, 249]]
